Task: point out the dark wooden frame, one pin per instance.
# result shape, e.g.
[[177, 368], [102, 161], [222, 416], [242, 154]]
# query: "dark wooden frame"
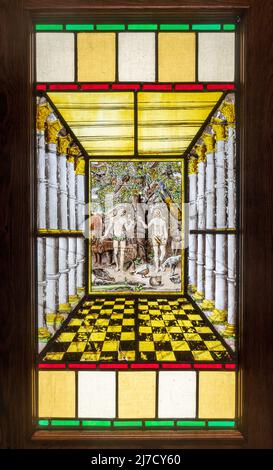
[[17, 343]]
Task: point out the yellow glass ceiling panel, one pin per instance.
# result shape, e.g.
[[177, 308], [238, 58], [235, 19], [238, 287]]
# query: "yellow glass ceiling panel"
[[168, 122], [103, 122]]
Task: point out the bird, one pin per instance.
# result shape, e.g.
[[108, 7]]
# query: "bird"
[[143, 270]]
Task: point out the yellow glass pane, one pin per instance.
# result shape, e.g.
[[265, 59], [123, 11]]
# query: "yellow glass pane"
[[57, 394], [96, 57], [102, 122], [136, 394], [176, 57], [168, 122], [217, 395]]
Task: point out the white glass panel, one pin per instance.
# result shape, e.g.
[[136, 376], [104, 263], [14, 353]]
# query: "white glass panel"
[[55, 57], [216, 57], [136, 57], [177, 395], [96, 394]]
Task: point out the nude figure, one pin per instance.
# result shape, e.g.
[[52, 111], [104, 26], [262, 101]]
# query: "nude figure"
[[158, 234], [118, 226]]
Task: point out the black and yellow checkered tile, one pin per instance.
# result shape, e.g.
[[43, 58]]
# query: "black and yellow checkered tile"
[[119, 329]]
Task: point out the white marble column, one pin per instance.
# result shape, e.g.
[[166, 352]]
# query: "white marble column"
[[52, 277], [63, 143], [43, 112], [72, 265], [200, 150], [80, 266], [228, 110], [53, 128], [192, 172], [73, 152], [80, 192], [41, 281], [220, 312], [71, 180], [64, 305], [208, 302]]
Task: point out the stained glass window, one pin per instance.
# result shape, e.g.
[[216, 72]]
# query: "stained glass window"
[[137, 245]]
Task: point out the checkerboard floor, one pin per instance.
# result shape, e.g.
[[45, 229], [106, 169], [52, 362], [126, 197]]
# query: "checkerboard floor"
[[144, 329]]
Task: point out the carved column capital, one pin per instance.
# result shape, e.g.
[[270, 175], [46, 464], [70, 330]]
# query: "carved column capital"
[[209, 140], [228, 110], [80, 165], [63, 143], [200, 149], [73, 152], [218, 127], [192, 165], [42, 113], [53, 128]]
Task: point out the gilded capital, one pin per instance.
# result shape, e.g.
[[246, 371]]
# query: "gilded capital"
[[201, 152], [53, 128], [80, 166], [63, 142], [73, 152], [218, 127], [192, 165], [42, 113], [209, 140], [228, 110]]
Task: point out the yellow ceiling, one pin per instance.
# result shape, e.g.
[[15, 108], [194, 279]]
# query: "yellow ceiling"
[[104, 122]]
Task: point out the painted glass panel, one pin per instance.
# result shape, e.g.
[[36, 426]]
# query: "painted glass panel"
[[137, 236]]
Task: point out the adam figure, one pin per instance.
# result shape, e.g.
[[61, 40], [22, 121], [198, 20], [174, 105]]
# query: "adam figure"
[[118, 226]]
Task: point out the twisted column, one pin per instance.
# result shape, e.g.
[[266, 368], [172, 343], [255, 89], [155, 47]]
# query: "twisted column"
[[41, 283], [192, 172], [43, 111], [220, 312], [200, 150], [52, 275], [53, 127], [228, 110], [72, 265], [73, 153], [64, 140], [208, 303], [80, 193]]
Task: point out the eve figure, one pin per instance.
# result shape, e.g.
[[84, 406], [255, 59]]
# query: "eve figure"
[[158, 234]]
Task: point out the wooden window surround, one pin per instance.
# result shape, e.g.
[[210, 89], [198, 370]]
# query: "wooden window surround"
[[17, 209]]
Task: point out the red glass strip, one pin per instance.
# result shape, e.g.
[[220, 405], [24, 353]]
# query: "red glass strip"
[[63, 87], [230, 366], [41, 87], [185, 86], [82, 366], [208, 366], [125, 86], [113, 366], [221, 86], [95, 86], [176, 366], [144, 366], [52, 366], [158, 87]]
